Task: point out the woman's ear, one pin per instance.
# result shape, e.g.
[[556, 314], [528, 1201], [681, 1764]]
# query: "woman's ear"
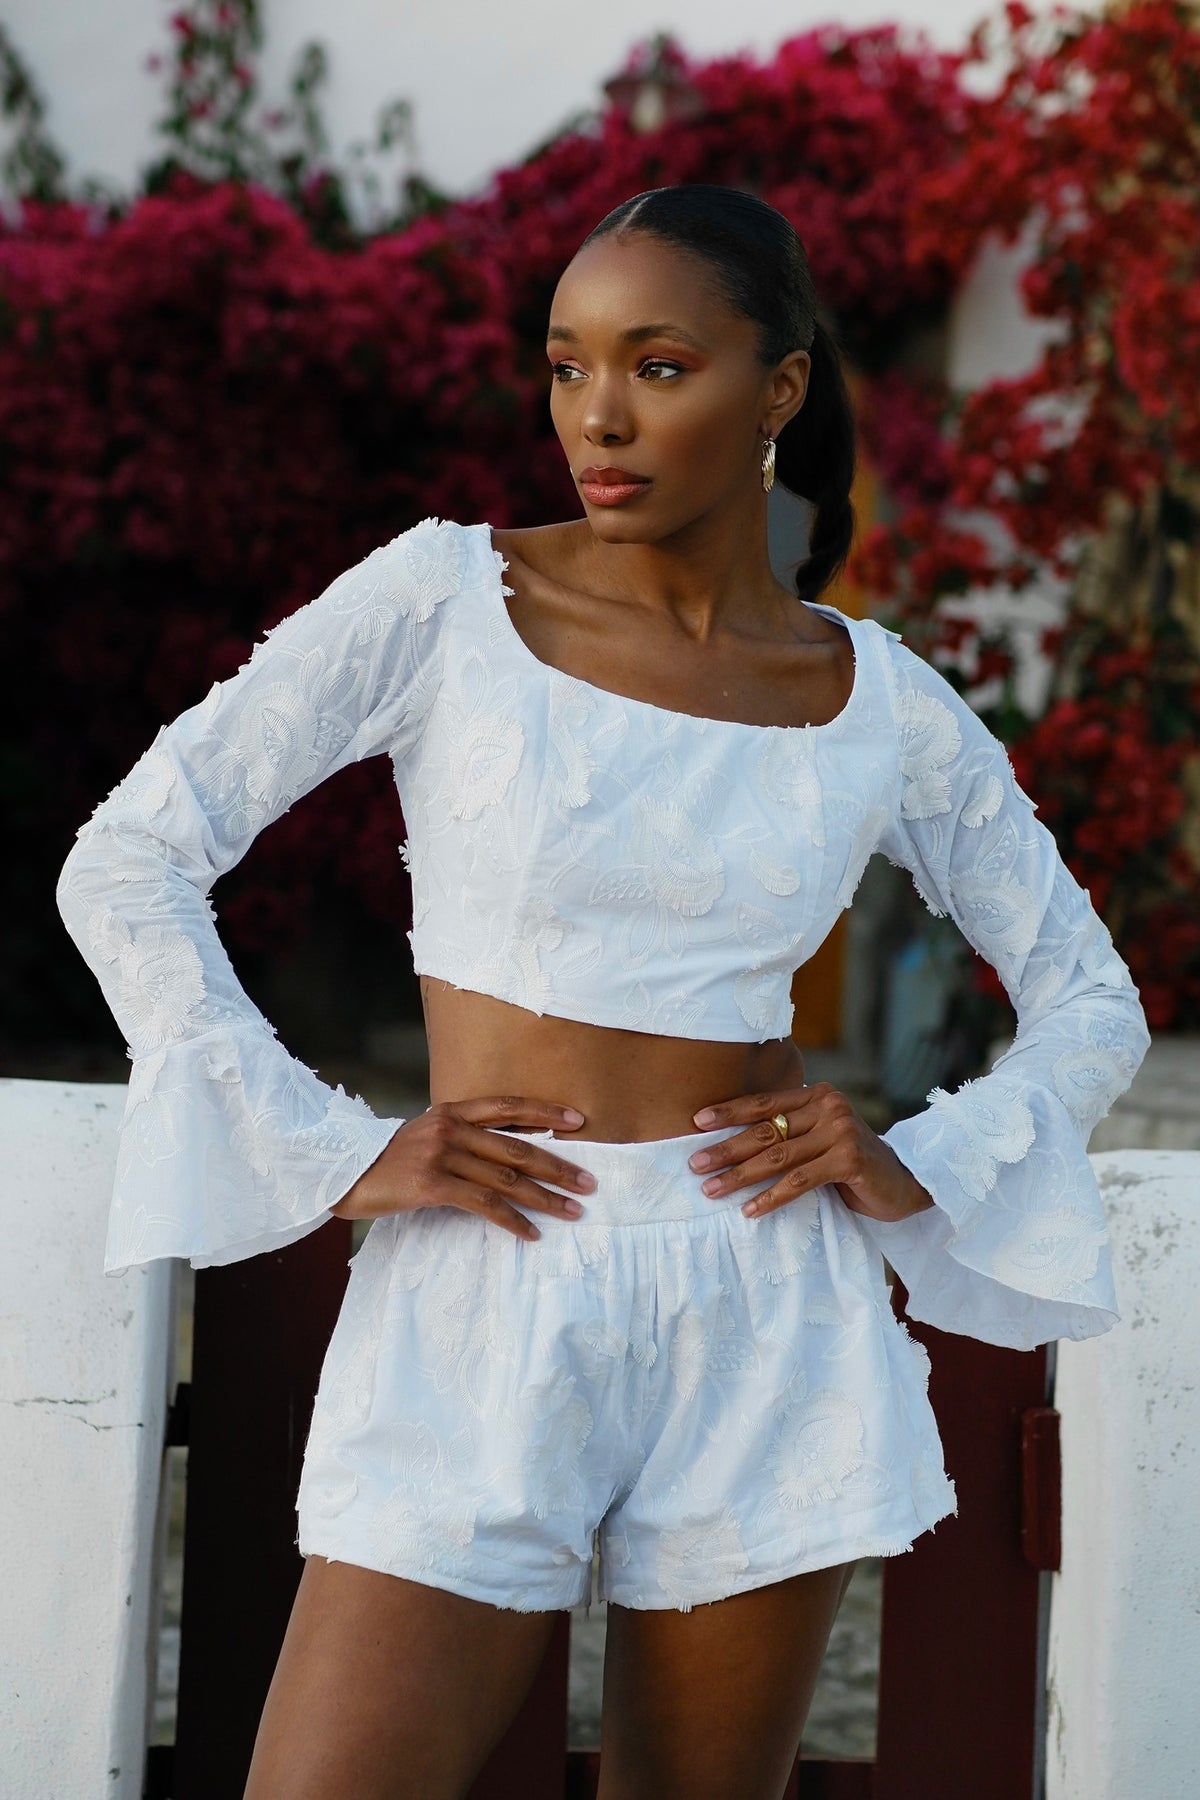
[[789, 387]]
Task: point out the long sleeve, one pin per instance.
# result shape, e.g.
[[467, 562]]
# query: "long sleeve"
[[1015, 1249], [228, 1144]]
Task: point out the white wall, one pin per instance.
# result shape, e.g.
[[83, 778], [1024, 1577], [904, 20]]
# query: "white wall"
[[990, 336], [488, 82], [86, 1368], [1123, 1668]]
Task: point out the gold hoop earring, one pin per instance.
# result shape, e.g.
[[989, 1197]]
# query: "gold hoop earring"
[[768, 465]]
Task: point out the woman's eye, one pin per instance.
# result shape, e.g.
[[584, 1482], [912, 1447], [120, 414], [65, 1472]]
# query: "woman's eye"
[[562, 371]]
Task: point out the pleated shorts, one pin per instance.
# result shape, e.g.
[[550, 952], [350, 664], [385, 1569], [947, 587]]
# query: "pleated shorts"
[[684, 1400]]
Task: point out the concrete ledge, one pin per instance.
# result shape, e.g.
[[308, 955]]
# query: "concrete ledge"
[[1123, 1668], [1160, 1110], [86, 1369]]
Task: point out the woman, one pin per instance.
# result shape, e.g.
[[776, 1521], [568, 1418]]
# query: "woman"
[[625, 1281]]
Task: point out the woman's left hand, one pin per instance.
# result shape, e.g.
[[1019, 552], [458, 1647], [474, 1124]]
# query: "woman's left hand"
[[827, 1141]]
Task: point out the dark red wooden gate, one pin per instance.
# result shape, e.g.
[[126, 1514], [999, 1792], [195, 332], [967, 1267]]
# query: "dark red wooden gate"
[[959, 1705]]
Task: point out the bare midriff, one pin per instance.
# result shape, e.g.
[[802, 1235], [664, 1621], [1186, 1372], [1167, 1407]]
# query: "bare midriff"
[[629, 1085]]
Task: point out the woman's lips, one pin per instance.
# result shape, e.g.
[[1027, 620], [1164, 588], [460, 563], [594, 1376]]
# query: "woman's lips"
[[611, 493]]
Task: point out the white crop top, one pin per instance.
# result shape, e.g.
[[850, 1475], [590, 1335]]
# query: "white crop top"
[[581, 853]]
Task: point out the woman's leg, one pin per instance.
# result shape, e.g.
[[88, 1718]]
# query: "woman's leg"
[[387, 1689], [710, 1703]]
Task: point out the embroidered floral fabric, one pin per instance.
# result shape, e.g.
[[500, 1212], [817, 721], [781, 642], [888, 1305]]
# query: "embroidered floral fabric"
[[229, 1145], [722, 1401], [1015, 1251], [581, 853]]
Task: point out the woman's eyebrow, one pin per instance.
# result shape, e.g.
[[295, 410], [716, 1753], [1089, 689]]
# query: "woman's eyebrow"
[[636, 334]]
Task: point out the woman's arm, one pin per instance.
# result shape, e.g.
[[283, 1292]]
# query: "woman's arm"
[[1015, 1248], [230, 1145], [985, 1204]]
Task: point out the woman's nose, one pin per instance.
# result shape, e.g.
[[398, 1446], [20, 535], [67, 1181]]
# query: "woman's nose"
[[606, 417]]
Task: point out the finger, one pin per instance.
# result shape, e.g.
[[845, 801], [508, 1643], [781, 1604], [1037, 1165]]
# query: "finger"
[[745, 1107], [518, 1109], [771, 1162], [508, 1182], [537, 1161], [488, 1205], [797, 1181], [756, 1139]]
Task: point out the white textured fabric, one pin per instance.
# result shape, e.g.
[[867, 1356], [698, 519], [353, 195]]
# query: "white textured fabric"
[[725, 1401], [1015, 1251], [581, 853]]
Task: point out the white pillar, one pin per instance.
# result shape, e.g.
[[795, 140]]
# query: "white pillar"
[[86, 1363], [1123, 1671]]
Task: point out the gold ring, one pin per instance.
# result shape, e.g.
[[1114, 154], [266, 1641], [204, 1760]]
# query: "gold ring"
[[779, 1121]]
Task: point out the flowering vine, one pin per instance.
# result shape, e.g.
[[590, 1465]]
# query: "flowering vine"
[[1084, 470]]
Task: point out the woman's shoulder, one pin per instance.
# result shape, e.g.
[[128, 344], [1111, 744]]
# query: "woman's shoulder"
[[417, 569], [446, 541], [921, 692], [948, 758], [546, 550]]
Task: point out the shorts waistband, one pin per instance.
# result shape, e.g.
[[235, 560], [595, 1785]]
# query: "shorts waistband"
[[642, 1182]]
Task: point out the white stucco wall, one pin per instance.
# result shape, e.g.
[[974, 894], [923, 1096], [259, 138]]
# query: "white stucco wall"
[[487, 82], [86, 1367], [1123, 1669], [990, 336]]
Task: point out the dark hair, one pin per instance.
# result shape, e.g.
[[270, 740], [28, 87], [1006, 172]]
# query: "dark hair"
[[762, 271]]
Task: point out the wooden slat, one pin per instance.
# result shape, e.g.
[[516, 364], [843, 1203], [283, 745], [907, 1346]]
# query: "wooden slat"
[[1041, 1496], [958, 1646], [260, 1331], [835, 1778], [583, 1775]]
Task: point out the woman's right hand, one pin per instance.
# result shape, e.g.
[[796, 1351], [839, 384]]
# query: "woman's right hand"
[[447, 1157]]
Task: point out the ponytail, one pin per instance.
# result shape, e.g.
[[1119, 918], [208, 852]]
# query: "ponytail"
[[815, 457]]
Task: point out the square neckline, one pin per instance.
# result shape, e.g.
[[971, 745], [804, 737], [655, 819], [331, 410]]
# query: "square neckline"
[[499, 568]]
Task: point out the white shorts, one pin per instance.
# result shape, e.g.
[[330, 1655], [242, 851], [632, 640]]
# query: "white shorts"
[[717, 1401]]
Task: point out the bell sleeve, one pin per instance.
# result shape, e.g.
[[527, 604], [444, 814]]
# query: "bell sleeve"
[[228, 1144], [1015, 1249]]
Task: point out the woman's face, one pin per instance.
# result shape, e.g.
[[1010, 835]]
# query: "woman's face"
[[653, 374]]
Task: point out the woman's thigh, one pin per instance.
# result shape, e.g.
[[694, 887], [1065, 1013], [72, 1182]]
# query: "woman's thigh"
[[387, 1689], [704, 1704]]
